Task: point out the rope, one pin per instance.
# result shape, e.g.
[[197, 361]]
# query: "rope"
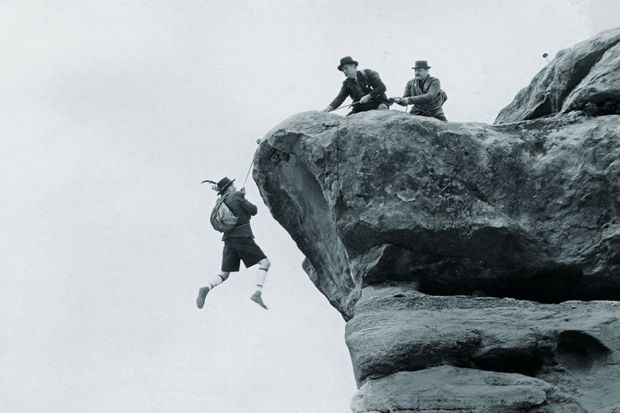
[[346, 106], [248, 174]]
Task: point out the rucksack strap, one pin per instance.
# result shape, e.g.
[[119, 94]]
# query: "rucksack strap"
[[365, 78], [421, 86], [444, 97], [228, 206]]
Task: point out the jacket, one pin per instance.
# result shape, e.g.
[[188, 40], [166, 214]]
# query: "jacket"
[[426, 95], [244, 210], [368, 82]]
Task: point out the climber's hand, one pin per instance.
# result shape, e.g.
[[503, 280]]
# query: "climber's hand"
[[242, 190], [365, 99]]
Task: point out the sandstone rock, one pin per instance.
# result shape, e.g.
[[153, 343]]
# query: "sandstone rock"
[[509, 210], [448, 389], [572, 345], [586, 72], [477, 266], [601, 86]]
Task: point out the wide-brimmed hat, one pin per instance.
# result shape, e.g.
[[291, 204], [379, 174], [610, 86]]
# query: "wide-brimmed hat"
[[346, 61], [223, 184], [421, 64]]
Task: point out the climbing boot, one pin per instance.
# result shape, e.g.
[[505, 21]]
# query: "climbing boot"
[[202, 294], [257, 298]]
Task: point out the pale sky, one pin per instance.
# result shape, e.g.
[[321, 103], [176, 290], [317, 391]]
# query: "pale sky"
[[111, 115]]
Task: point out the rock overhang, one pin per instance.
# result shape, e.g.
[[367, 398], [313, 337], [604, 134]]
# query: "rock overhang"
[[463, 205], [478, 266]]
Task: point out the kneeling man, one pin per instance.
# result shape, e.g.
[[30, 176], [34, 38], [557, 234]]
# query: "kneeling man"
[[363, 86], [424, 93]]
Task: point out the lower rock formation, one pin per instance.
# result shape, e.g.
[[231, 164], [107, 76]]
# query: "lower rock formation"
[[414, 352]]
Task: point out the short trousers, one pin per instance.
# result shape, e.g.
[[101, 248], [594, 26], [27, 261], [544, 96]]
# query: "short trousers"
[[240, 249]]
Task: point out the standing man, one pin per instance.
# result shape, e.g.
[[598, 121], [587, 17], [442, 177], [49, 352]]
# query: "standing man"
[[424, 93], [238, 243], [363, 86]]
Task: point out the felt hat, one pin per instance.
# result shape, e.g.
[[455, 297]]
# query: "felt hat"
[[421, 64], [346, 61], [223, 184]]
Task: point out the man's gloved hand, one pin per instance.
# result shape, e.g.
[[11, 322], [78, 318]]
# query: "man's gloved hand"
[[365, 99], [328, 109], [242, 190]]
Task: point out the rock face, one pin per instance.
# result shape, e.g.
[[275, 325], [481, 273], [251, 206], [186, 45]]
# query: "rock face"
[[587, 73], [477, 266], [505, 355], [449, 389]]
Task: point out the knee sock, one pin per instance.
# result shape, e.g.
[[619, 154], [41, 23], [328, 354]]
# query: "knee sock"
[[261, 276], [215, 281]]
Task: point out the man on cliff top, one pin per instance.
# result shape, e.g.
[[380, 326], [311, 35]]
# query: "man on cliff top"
[[238, 243], [424, 93], [363, 86]]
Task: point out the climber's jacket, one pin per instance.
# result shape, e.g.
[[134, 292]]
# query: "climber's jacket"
[[367, 82], [426, 95], [243, 210]]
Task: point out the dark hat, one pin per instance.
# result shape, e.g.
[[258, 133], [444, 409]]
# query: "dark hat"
[[223, 184], [421, 64], [346, 61]]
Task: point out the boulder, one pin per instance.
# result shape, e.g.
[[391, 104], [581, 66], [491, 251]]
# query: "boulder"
[[588, 72], [601, 86], [507, 210]]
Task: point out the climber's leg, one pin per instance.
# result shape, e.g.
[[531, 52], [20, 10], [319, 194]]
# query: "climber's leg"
[[261, 273], [211, 284], [261, 276]]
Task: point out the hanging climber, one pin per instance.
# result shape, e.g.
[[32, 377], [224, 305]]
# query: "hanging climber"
[[424, 93], [231, 216], [363, 86]]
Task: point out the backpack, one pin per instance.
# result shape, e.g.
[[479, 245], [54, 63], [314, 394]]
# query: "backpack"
[[443, 96], [222, 218]]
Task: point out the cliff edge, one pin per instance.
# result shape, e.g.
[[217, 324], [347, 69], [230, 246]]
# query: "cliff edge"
[[477, 266]]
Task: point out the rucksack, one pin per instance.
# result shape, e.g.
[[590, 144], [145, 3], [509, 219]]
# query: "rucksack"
[[222, 218], [443, 95]]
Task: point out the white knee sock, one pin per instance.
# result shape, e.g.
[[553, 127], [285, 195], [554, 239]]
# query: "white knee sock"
[[261, 276], [215, 281]]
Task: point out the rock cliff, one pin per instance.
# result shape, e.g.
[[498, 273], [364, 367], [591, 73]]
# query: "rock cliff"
[[586, 76], [477, 266]]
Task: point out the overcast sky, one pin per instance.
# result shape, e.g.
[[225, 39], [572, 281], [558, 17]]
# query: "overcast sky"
[[111, 115]]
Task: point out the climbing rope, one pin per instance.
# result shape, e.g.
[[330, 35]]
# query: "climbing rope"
[[346, 106], [248, 174]]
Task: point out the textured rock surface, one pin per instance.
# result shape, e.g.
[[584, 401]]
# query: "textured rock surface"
[[508, 210], [587, 72], [477, 266], [600, 86], [449, 389], [572, 346], [398, 215]]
